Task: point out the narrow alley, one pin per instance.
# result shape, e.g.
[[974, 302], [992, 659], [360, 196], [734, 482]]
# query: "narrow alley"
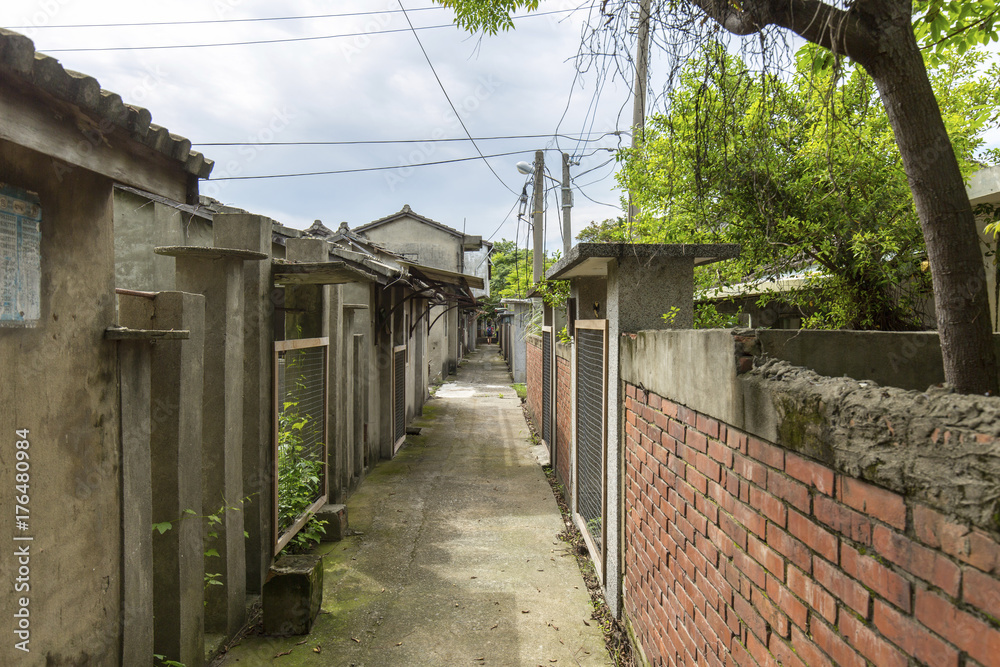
[[454, 557]]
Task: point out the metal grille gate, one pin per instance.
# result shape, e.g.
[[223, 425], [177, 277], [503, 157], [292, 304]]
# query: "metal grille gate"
[[547, 388], [591, 410], [399, 396], [301, 434]]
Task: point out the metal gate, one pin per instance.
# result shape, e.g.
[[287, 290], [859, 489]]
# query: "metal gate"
[[301, 434], [591, 431], [547, 389], [398, 396]]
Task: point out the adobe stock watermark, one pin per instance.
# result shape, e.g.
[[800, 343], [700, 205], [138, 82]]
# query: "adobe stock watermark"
[[42, 15], [424, 152], [248, 152], [377, 23]]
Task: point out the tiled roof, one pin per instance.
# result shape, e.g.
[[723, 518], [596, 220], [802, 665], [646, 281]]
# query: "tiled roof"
[[18, 55], [408, 212]]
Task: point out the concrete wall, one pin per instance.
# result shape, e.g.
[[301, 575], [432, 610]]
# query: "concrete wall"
[[61, 385], [140, 226], [420, 242], [477, 263]]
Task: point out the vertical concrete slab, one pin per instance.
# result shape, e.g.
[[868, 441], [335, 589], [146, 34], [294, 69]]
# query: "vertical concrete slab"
[[360, 393], [176, 453], [220, 279], [137, 570], [253, 232]]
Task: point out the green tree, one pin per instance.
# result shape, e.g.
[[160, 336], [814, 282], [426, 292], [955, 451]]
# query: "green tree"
[[805, 175], [881, 37]]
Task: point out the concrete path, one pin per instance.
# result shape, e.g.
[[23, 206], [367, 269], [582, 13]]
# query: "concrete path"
[[458, 561]]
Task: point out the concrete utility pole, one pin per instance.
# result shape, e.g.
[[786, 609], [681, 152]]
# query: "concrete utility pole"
[[641, 81], [538, 232], [567, 206]]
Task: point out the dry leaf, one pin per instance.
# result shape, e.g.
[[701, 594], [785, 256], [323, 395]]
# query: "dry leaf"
[[355, 639], [317, 649], [301, 642], [525, 611], [278, 655], [495, 625], [399, 643]]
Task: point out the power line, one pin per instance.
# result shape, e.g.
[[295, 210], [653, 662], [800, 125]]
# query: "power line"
[[212, 21], [448, 97], [404, 141], [278, 41], [363, 169]]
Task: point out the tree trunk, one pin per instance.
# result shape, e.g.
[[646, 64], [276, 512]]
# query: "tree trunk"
[[946, 217]]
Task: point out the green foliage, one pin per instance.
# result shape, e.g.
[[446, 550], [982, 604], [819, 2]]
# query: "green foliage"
[[211, 522], [167, 663], [805, 175], [564, 337], [941, 26], [489, 16], [299, 479], [707, 316], [511, 278]]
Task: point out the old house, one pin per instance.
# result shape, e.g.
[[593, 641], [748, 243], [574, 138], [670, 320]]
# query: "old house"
[[421, 240]]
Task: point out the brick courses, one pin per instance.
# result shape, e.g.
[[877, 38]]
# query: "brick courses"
[[740, 552]]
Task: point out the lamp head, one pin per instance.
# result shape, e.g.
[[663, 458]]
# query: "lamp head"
[[525, 167]]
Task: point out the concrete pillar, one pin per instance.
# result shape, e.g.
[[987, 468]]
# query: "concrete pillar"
[[176, 446], [137, 570], [639, 292], [253, 232], [218, 274]]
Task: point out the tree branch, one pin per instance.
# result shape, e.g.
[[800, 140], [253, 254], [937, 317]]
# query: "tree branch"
[[841, 31]]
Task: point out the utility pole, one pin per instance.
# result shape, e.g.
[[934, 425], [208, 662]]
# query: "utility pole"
[[567, 207], [641, 80], [537, 222]]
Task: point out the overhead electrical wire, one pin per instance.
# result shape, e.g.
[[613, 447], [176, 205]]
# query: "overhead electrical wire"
[[279, 41], [215, 21], [404, 141], [448, 97], [364, 169]]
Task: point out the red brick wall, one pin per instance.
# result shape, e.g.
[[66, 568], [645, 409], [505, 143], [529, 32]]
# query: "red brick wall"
[[534, 381], [564, 424], [739, 552]]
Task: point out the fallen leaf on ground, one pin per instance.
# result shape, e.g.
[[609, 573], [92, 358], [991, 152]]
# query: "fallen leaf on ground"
[[355, 639], [278, 655], [585, 623], [525, 611], [495, 625], [317, 649], [399, 643], [300, 643]]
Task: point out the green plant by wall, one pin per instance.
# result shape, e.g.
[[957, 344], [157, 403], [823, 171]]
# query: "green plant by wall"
[[299, 479]]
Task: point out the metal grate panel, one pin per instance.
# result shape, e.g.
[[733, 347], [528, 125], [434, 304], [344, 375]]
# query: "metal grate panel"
[[547, 388], [300, 434], [590, 431], [399, 396]]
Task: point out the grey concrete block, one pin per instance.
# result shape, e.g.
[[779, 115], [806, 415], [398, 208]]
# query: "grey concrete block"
[[293, 594], [336, 522]]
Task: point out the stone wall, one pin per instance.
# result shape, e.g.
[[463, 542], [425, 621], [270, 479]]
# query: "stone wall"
[[806, 519]]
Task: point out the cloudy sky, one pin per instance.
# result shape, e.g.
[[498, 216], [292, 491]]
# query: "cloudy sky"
[[372, 85]]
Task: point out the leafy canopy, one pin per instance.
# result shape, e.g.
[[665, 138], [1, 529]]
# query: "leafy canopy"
[[805, 174]]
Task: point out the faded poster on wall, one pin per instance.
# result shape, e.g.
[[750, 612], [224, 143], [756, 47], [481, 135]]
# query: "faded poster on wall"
[[20, 257]]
